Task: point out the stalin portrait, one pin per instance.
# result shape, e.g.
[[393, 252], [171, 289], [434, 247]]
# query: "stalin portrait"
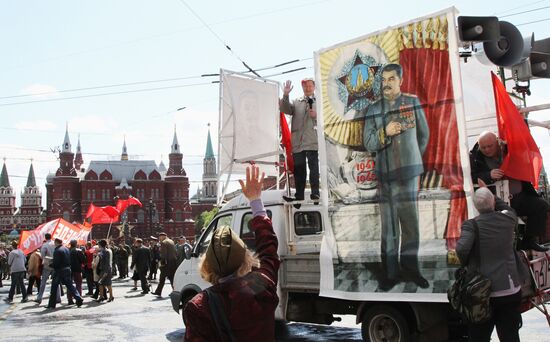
[[396, 130]]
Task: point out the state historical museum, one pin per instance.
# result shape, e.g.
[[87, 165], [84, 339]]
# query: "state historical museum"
[[163, 192]]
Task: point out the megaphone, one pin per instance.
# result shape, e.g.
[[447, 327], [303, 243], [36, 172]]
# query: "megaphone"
[[478, 29], [538, 63], [508, 49], [542, 45]]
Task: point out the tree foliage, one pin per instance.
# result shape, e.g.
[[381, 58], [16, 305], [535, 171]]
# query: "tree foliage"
[[204, 219]]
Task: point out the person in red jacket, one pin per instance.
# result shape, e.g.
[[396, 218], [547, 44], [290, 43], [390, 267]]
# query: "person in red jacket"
[[240, 304]]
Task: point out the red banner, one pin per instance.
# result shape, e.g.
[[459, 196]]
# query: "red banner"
[[60, 229]]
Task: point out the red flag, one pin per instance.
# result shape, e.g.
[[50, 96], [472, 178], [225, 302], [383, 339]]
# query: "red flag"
[[523, 161], [111, 211], [287, 143], [91, 210], [121, 205], [102, 215]]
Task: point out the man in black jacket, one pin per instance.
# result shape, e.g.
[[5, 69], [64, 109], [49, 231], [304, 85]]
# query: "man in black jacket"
[[77, 260], [141, 259], [61, 265], [485, 160]]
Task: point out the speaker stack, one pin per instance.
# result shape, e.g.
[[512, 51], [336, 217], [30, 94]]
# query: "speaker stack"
[[504, 46]]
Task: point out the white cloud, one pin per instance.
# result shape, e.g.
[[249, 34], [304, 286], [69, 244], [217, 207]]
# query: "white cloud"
[[41, 91], [44, 125]]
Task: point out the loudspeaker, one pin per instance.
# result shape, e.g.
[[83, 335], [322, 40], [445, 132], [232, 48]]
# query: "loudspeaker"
[[478, 29], [537, 65], [542, 45], [507, 50]]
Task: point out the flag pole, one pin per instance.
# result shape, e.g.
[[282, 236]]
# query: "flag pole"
[[109, 231]]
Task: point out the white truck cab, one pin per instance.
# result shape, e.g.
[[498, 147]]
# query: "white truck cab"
[[299, 232]]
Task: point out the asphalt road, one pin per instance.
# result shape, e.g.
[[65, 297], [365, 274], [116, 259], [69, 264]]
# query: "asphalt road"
[[136, 317], [130, 317]]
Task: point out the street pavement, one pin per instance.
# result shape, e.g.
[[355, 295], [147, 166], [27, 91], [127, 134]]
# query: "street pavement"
[[136, 317]]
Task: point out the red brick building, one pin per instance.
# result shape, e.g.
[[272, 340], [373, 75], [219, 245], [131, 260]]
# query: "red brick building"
[[163, 192], [7, 201], [29, 215]]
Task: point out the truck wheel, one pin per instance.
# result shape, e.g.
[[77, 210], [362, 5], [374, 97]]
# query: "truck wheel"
[[383, 323], [184, 299]]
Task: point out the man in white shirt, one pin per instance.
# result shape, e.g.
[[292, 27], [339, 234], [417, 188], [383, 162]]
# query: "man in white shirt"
[[46, 251]]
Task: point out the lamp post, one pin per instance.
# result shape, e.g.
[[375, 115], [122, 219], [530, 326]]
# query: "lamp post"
[[151, 207]]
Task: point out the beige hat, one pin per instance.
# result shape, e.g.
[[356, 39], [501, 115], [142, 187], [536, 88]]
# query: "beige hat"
[[226, 252]]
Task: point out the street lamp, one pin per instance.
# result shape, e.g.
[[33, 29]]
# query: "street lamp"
[[151, 207]]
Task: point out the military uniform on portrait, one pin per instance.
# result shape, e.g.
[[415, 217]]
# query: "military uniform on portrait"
[[398, 168]]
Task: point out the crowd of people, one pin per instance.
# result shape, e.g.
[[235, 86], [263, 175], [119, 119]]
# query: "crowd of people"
[[93, 264]]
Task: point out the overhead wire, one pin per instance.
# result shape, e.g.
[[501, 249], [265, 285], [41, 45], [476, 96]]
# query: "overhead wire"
[[128, 91], [219, 38], [533, 22], [521, 6], [133, 83], [235, 19], [90, 153], [528, 11]]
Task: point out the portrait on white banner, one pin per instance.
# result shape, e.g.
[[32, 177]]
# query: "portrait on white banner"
[[394, 173]]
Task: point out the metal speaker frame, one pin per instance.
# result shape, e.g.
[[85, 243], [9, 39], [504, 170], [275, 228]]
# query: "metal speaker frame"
[[508, 49], [478, 29]]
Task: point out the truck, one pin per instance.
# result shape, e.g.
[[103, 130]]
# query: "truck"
[[331, 254]]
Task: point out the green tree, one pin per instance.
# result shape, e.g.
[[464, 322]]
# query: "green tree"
[[204, 219]]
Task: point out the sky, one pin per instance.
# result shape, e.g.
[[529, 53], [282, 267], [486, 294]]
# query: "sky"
[[115, 69]]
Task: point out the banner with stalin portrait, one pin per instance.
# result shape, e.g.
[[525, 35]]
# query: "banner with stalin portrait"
[[395, 159]]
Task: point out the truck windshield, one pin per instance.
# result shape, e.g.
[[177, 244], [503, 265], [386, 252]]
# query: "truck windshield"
[[207, 234]]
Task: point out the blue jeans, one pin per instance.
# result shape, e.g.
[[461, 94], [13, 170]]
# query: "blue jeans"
[[17, 280], [46, 272]]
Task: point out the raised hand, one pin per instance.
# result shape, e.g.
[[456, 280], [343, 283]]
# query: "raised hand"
[[252, 189], [287, 88]]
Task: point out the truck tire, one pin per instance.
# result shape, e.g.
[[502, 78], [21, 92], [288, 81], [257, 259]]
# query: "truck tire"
[[184, 299], [384, 323]]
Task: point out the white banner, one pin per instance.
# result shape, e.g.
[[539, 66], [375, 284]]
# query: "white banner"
[[394, 161], [249, 123]]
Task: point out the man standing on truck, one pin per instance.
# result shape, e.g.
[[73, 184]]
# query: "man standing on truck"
[[304, 138], [485, 160], [397, 131]]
